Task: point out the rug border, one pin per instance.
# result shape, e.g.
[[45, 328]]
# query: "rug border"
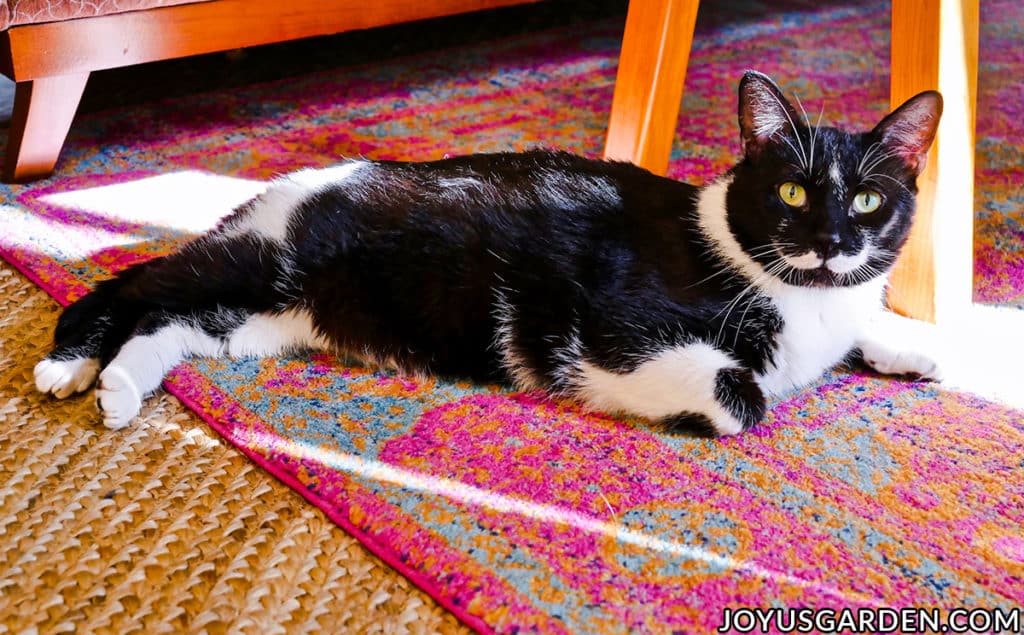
[[10, 258]]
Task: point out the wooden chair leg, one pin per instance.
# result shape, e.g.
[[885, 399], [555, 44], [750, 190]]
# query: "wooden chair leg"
[[649, 83], [43, 110], [935, 46]]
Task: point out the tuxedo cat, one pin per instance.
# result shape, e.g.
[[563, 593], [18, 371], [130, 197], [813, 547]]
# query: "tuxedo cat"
[[595, 280]]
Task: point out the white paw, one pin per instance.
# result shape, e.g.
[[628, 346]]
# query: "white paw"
[[117, 397], [895, 345], [63, 378], [894, 361]]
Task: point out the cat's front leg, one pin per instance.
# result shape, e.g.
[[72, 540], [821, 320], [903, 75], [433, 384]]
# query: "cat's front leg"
[[693, 387], [894, 345]]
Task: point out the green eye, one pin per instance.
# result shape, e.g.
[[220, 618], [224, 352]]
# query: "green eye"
[[793, 194], [867, 201]]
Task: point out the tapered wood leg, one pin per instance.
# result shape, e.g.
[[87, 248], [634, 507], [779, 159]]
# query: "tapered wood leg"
[[43, 110], [935, 46], [649, 83]]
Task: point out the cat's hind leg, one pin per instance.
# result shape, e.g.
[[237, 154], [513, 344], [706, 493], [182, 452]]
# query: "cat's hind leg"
[[65, 377], [73, 364], [87, 333], [274, 333], [163, 340], [693, 387], [160, 342]]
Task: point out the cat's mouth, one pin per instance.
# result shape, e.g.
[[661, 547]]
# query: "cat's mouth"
[[821, 277], [811, 270]]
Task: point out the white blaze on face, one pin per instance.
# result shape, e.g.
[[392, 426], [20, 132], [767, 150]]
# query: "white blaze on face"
[[845, 263], [835, 174], [809, 260], [841, 263]]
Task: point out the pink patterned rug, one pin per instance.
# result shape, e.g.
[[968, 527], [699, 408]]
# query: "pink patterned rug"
[[523, 514]]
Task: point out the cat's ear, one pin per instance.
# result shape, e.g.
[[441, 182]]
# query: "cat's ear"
[[909, 130], [764, 112]]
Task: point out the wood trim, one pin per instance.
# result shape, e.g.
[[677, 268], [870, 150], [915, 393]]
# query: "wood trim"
[[935, 46], [95, 43], [649, 82]]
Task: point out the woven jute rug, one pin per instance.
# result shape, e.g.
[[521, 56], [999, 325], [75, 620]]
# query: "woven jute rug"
[[164, 528]]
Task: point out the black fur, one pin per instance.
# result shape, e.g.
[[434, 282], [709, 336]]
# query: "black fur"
[[738, 392], [692, 423]]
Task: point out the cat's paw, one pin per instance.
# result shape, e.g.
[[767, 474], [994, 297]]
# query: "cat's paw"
[[893, 361], [895, 345], [63, 378], [117, 397]]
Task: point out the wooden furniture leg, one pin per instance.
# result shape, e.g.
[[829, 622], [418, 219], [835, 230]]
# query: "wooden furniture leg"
[[935, 46], [43, 110], [649, 82]]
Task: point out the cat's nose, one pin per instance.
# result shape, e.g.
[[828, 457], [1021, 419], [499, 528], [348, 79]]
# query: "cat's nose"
[[827, 244]]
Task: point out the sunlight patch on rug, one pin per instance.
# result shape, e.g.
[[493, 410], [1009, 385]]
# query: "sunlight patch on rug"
[[188, 201]]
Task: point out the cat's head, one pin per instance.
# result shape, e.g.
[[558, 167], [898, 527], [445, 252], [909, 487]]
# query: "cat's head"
[[818, 206]]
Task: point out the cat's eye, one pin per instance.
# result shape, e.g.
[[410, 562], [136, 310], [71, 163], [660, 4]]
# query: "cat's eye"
[[867, 201], [793, 194]]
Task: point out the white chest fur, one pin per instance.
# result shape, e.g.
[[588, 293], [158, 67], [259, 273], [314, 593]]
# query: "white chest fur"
[[820, 326]]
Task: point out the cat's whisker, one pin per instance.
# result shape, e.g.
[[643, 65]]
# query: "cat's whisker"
[[807, 120], [781, 267], [756, 252], [796, 152], [776, 265], [817, 125], [810, 134], [725, 320], [720, 271], [864, 273], [743, 316], [867, 156], [731, 306], [854, 276], [870, 177], [802, 155], [764, 250], [874, 272], [877, 162]]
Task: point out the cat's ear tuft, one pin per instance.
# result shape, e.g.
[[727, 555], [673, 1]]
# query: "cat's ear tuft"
[[764, 112], [909, 130]]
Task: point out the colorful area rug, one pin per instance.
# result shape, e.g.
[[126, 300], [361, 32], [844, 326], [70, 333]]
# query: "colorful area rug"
[[523, 514]]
